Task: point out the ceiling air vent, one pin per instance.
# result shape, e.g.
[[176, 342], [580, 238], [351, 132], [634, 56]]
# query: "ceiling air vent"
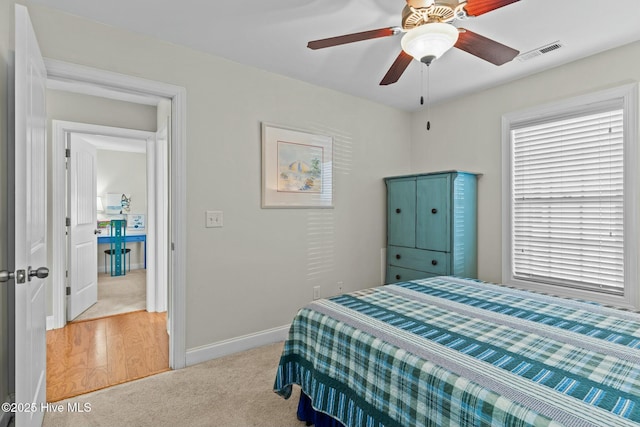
[[539, 51]]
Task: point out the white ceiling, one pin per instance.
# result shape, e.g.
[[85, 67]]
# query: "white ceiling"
[[272, 35]]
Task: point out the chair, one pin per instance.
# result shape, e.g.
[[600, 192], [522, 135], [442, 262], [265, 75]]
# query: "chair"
[[123, 252], [118, 249]]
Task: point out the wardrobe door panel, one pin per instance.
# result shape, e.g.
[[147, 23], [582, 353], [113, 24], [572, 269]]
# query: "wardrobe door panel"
[[433, 213], [401, 212]]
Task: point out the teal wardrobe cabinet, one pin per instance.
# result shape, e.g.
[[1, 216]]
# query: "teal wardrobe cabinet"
[[431, 225]]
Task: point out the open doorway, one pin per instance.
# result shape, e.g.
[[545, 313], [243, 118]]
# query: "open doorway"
[[118, 150], [121, 194]]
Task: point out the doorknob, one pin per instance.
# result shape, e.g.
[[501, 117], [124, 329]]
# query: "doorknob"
[[40, 273], [96, 231], [5, 275]]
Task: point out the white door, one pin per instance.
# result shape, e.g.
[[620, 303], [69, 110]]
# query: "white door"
[[30, 222], [83, 252]]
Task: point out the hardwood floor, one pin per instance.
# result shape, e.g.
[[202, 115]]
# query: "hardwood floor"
[[93, 354]]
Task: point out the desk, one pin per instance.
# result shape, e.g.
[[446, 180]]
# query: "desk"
[[129, 238]]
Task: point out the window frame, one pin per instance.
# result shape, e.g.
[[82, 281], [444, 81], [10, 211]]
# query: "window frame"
[[559, 109]]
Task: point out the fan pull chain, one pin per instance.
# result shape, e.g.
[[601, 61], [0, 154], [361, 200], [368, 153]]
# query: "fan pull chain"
[[422, 94], [421, 86], [428, 99]]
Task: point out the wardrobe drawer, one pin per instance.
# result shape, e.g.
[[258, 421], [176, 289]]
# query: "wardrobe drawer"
[[419, 259], [399, 274]]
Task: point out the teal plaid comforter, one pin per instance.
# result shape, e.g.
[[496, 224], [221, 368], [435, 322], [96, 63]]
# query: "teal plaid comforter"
[[453, 352]]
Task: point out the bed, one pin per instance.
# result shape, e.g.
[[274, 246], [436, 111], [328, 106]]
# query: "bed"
[[446, 351]]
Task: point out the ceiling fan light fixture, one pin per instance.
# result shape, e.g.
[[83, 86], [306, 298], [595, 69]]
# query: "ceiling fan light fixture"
[[429, 41]]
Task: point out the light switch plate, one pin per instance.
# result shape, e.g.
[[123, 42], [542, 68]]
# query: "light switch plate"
[[213, 219]]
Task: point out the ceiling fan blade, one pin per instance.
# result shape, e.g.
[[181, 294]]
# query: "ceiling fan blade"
[[355, 37], [397, 68], [485, 48], [478, 7]]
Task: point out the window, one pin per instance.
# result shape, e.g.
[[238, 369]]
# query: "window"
[[569, 198]]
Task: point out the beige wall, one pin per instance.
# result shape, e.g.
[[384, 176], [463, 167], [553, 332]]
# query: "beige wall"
[[123, 172], [466, 133], [255, 272], [75, 107]]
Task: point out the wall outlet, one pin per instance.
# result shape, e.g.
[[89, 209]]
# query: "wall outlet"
[[213, 219], [316, 292]]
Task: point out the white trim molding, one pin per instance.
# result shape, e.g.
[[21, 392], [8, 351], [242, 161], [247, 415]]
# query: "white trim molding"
[[59, 132], [235, 345], [49, 323]]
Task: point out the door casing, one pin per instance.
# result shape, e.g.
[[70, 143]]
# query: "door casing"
[[60, 130], [91, 81]]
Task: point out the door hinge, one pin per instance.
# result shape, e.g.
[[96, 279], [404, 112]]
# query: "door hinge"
[[68, 290], [67, 222], [67, 152]]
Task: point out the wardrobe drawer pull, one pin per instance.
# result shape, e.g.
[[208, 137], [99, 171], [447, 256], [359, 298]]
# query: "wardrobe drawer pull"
[[398, 256], [434, 211], [434, 262], [397, 277], [398, 210]]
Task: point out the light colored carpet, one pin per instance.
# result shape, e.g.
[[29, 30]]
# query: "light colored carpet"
[[233, 391], [118, 294]]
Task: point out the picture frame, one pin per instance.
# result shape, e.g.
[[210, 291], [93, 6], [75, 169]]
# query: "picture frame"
[[297, 168], [117, 203], [136, 221]]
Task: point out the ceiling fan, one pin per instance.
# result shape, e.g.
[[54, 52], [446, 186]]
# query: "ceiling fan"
[[429, 33]]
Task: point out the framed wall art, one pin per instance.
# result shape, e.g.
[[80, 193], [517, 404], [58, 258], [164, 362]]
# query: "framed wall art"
[[297, 168], [118, 203]]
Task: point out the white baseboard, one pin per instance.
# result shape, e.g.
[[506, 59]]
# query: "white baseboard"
[[235, 345], [50, 325]]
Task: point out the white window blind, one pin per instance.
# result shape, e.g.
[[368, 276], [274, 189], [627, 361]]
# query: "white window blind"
[[567, 200]]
